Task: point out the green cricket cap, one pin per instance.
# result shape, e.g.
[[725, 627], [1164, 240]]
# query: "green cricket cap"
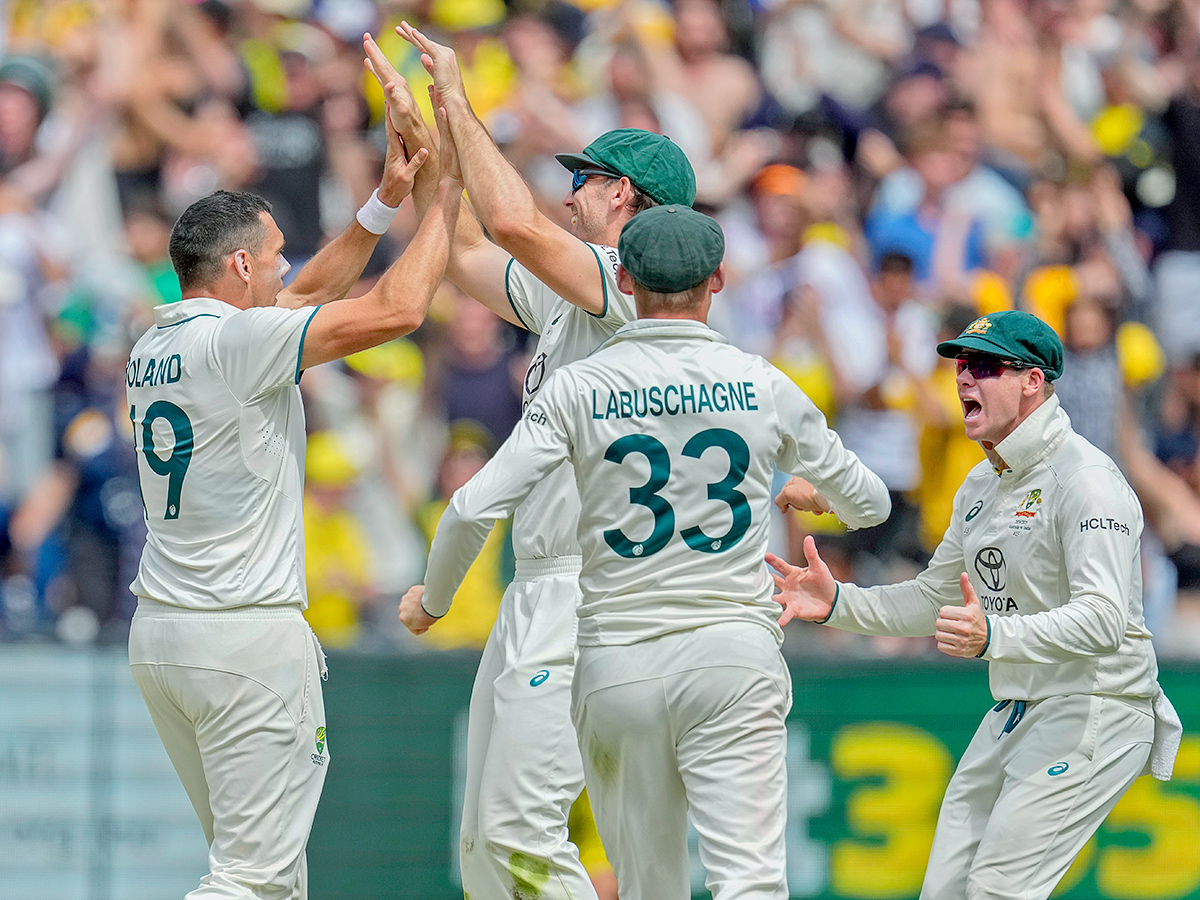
[[654, 163], [33, 74], [1012, 335], [671, 248]]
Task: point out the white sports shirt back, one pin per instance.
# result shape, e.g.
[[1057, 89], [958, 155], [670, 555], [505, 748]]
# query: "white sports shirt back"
[[674, 436], [219, 429], [544, 526]]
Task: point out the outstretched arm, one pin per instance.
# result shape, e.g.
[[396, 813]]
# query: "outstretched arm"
[[398, 302], [337, 266], [499, 196], [476, 264], [537, 446]]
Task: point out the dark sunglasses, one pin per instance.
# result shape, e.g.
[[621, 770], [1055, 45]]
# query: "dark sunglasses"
[[580, 176], [985, 366]]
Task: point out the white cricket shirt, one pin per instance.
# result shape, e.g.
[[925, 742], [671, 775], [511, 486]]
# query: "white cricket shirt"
[[674, 436], [544, 526], [1051, 545], [219, 429]]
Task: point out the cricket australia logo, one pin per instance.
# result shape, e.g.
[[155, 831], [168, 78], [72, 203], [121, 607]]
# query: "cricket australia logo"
[[318, 758], [1028, 507], [982, 325], [989, 566]]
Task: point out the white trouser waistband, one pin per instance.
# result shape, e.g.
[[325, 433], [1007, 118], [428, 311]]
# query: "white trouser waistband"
[[155, 609], [530, 569]]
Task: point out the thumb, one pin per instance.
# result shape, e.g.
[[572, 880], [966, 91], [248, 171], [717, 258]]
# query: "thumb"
[[810, 550], [417, 160], [970, 598]]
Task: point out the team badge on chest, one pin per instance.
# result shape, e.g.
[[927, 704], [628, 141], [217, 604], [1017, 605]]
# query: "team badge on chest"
[[1026, 512]]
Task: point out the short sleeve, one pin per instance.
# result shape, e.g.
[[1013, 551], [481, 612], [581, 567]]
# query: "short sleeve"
[[530, 299], [618, 308], [535, 304], [259, 349]]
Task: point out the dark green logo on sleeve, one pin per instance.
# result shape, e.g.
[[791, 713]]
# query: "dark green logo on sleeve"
[[974, 510]]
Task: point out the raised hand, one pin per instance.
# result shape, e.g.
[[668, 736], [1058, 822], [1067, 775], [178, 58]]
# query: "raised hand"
[[962, 630], [399, 170], [804, 593], [402, 106], [799, 494], [440, 62], [412, 614]]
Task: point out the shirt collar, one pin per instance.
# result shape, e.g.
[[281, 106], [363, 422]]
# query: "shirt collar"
[[1035, 438], [655, 328], [174, 313]]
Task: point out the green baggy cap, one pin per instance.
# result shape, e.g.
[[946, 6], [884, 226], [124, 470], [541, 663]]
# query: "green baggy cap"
[[671, 248], [654, 163], [33, 74], [1012, 335]]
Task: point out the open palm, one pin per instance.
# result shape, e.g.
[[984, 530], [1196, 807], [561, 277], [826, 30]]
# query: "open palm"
[[804, 592]]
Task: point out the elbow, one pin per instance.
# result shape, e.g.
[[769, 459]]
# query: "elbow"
[[1109, 632], [882, 509], [509, 230]]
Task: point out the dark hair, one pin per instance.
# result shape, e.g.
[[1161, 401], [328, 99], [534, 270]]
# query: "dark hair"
[[212, 228], [639, 200], [895, 262]]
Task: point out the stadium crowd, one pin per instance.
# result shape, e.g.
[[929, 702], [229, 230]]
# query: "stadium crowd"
[[884, 171]]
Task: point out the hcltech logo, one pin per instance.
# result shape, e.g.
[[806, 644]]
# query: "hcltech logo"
[[1058, 768], [539, 678], [318, 758]]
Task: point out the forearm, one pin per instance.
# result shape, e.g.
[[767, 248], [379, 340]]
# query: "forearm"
[[456, 544], [901, 610], [500, 198], [407, 287], [333, 271], [1089, 625]]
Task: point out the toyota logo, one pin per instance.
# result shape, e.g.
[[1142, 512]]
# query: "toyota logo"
[[989, 564]]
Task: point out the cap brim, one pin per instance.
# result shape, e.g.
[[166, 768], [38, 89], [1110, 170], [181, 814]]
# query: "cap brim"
[[573, 161], [972, 342]]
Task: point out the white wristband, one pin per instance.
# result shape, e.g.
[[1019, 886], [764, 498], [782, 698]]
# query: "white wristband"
[[375, 215]]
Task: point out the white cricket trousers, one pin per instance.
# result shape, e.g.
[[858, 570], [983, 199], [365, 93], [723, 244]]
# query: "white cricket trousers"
[[692, 720], [236, 698], [1023, 802], [523, 766]]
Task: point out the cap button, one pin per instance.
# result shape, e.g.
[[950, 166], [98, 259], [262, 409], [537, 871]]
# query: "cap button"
[[670, 211]]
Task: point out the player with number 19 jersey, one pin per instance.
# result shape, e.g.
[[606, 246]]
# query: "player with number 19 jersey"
[[674, 436], [219, 428]]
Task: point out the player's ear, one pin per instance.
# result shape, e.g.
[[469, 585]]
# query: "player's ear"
[[624, 280], [241, 265], [1035, 379], [716, 281]]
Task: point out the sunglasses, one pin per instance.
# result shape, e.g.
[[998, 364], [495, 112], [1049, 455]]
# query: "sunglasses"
[[985, 366], [580, 176]]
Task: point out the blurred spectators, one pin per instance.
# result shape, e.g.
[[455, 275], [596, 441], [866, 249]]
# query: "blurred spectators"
[[1031, 153]]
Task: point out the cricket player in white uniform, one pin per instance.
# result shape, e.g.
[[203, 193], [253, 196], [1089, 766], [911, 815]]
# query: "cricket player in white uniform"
[[229, 669], [1039, 573], [680, 691], [523, 765]]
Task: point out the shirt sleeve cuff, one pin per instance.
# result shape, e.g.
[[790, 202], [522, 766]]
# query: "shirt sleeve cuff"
[[988, 642], [837, 592]]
